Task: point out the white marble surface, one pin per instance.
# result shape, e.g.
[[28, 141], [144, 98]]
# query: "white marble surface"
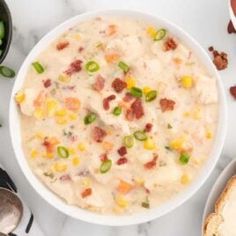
[[206, 20]]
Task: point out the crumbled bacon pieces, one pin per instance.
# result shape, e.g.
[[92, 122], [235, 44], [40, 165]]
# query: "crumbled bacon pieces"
[[98, 134], [170, 44], [128, 97], [129, 115], [49, 144], [106, 101], [103, 157], [167, 104], [220, 59], [87, 192], [61, 45], [137, 108], [74, 67], [231, 28], [47, 83], [118, 85], [233, 91], [148, 127], [99, 83], [151, 164], [81, 49], [122, 151], [65, 178], [122, 161]]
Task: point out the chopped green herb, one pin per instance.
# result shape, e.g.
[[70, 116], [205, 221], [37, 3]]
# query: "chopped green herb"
[[123, 66], [150, 96], [140, 135], [168, 148], [128, 141], [160, 34], [146, 203], [62, 152], [38, 67], [136, 92], [105, 166], [184, 158], [7, 72], [49, 174], [90, 118], [169, 126], [117, 111], [92, 66]]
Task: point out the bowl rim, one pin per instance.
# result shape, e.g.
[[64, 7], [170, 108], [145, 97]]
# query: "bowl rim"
[[9, 36], [144, 216]]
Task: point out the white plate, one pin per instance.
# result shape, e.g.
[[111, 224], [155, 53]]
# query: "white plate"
[[217, 189]]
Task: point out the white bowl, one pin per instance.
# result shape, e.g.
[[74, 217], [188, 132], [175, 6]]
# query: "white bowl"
[[88, 216]]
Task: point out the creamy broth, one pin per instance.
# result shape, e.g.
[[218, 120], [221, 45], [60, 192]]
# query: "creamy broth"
[[117, 115]]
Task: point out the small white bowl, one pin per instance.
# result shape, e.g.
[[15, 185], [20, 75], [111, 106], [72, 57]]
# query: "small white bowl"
[[151, 214], [217, 189]]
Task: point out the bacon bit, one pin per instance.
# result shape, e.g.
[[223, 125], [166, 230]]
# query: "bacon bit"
[[231, 28], [39, 99], [74, 67], [220, 60], [170, 44], [118, 85], [99, 83], [49, 144], [112, 57], [81, 49], [72, 103], [128, 97], [167, 104], [98, 134], [233, 91], [137, 108], [122, 161], [129, 115], [151, 164], [103, 157], [106, 101], [61, 45], [87, 192], [47, 83], [65, 178], [148, 127], [111, 30], [147, 190], [73, 138], [122, 151]]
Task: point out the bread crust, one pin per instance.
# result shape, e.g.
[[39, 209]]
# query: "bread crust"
[[216, 215]]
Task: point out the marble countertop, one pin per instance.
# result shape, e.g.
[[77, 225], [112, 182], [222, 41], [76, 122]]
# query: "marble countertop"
[[206, 20]]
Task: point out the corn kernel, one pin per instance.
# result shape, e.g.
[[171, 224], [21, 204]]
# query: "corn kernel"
[[20, 97], [151, 31], [61, 112], [77, 36], [61, 120], [60, 167], [86, 182], [185, 179], [81, 147], [71, 151], [73, 116], [208, 134], [121, 201], [39, 135], [146, 89], [149, 144], [139, 181], [107, 146], [196, 113], [186, 81], [177, 144], [34, 153], [64, 78], [52, 105], [131, 82], [48, 155], [76, 161], [39, 113]]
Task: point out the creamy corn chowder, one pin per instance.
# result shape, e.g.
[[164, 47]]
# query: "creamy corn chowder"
[[118, 116]]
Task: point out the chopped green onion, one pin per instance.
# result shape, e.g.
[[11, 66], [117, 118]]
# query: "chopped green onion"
[[7, 72], [150, 96], [168, 148], [0, 42], [184, 158], [2, 30], [140, 135], [92, 66], [136, 92], [169, 126], [105, 166], [146, 204], [62, 152], [123, 66], [38, 67], [160, 34], [90, 118], [117, 111], [128, 141], [49, 174]]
